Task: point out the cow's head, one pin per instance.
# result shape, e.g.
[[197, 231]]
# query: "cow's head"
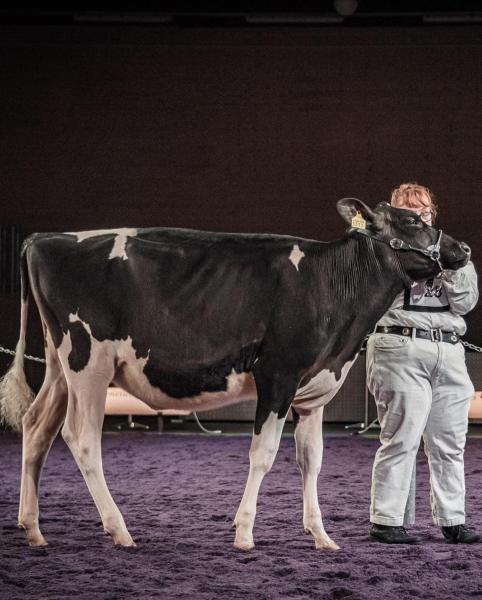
[[404, 231]]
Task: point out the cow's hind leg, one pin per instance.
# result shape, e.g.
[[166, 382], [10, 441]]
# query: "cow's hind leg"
[[309, 453], [41, 423], [82, 432]]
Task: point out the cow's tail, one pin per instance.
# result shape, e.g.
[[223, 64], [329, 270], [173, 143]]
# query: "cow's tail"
[[15, 394]]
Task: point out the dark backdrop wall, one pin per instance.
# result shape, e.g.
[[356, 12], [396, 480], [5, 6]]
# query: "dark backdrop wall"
[[235, 129]]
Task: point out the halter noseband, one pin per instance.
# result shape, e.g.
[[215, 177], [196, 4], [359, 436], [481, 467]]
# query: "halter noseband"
[[398, 244]]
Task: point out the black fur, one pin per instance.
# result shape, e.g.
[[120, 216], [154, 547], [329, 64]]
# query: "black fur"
[[81, 345]]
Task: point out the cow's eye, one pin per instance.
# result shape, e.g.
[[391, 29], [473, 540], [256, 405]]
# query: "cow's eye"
[[411, 220]]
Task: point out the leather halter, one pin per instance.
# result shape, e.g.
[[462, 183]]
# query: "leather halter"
[[398, 244]]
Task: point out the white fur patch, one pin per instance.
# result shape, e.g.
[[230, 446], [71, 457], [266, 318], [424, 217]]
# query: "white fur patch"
[[270, 429], [104, 356], [321, 388], [296, 255], [120, 240], [237, 382], [73, 318]]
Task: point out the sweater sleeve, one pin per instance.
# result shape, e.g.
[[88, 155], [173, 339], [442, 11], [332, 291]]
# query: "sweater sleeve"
[[461, 288]]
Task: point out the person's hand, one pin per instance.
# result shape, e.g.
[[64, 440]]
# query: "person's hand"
[[449, 275]]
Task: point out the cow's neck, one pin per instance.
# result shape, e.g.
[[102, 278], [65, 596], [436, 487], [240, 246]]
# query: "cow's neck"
[[360, 270], [363, 279]]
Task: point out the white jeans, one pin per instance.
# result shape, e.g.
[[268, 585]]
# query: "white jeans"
[[420, 388]]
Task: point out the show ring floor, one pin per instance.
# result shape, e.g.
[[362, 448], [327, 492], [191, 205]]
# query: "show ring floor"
[[179, 493]]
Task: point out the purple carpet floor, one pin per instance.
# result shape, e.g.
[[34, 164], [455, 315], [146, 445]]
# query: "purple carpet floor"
[[178, 495]]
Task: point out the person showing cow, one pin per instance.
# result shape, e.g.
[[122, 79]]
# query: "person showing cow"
[[197, 320], [417, 373]]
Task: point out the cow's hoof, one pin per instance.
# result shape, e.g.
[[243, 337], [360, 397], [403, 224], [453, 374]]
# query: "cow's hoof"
[[125, 543], [246, 545], [326, 544], [243, 542], [34, 538], [322, 541], [122, 539]]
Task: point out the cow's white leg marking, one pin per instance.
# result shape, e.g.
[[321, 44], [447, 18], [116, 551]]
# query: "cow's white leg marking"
[[120, 240], [41, 424], [309, 452], [296, 255], [261, 457], [82, 432]]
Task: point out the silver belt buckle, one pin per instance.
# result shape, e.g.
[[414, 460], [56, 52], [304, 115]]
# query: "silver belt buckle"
[[436, 335]]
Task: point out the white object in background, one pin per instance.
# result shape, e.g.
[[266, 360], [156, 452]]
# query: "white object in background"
[[475, 410], [120, 402]]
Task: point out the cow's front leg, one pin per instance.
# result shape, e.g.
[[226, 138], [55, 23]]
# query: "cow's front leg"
[[309, 453], [275, 394], [262, 453]]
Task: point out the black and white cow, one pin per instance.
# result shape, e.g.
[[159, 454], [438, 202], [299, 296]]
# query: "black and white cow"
[[190, 319]]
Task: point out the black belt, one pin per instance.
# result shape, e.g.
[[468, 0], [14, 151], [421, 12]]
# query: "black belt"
[[434, 335]]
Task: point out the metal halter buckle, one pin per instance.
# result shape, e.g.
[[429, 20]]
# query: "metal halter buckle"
[[396, 244]]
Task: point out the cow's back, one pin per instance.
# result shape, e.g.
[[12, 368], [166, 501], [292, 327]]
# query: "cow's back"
[[214, 281]]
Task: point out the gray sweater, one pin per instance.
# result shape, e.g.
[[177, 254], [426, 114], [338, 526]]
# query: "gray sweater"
[[438, 303]]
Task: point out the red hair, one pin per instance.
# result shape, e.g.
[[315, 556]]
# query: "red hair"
[[412, 195]]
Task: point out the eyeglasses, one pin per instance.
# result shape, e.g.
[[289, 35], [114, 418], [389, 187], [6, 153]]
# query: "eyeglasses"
[[425, 215]]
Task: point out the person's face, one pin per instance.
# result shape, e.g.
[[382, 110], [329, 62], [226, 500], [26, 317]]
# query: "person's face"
[[422, 211]]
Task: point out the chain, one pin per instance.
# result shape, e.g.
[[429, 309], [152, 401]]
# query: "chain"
[[471, 346], [12, 353]]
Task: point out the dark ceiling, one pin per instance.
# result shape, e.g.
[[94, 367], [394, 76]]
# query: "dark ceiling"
[[250, 13]]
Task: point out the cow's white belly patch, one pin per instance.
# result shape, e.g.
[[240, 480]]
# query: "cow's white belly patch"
[[321, 388], [117, 361], [120, 240], [130, 376], [296, 255]]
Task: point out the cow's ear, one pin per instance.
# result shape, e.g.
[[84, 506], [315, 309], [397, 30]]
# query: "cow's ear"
[[350, 207]]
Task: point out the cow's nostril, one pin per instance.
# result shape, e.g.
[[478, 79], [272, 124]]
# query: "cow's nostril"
[[465, 247]]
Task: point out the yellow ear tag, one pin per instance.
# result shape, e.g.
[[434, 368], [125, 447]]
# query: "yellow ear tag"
[[358, 221]]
